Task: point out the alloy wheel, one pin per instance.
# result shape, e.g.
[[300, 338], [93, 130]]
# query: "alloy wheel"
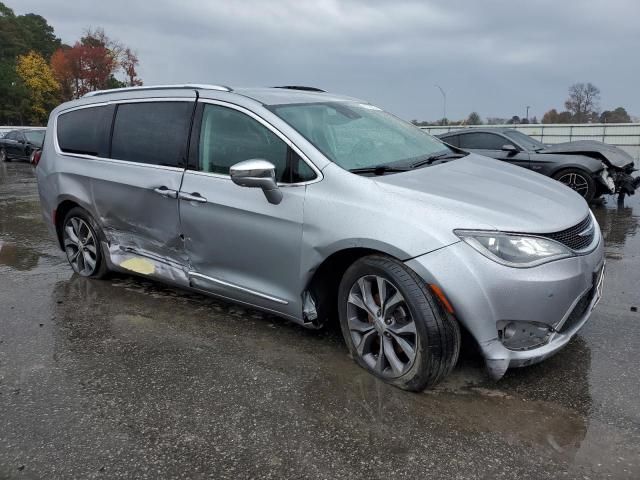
[[81, 246], [575, 181], [381, 326]]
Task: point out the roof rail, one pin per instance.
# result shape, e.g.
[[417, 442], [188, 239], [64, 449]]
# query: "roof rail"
[[190, 86], [303, 88]]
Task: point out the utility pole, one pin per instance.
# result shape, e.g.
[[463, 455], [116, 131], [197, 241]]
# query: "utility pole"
[[444, 104]]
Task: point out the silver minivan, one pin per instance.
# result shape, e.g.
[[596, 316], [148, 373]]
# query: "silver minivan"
[[319, 207]]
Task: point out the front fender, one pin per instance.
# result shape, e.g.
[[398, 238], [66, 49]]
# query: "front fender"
[[591, 165]]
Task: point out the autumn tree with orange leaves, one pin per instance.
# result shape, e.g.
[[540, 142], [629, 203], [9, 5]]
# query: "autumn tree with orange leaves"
[[92, 64], [37, 71]]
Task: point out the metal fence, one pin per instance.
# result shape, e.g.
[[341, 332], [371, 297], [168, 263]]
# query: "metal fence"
[[4, 130], [623, 135]]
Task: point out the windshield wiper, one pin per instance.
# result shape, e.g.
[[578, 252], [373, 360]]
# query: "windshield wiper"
[[437, 156], [379, 170]]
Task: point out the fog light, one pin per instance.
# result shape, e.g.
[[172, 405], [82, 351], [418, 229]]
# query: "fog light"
[[519, 335], [509, 331]]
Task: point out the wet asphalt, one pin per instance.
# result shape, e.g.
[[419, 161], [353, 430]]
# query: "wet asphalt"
[[125, 378]]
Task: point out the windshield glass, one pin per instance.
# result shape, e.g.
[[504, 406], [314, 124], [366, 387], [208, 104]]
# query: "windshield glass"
[[523, 140], [36, 136], [355, 135]]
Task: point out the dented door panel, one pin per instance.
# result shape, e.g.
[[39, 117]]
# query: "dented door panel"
[[241, 246], [135, 218]]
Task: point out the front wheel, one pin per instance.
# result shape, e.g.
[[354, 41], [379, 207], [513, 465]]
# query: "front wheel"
[[393, 326], [578, 180], [82, 244], [3, 155]]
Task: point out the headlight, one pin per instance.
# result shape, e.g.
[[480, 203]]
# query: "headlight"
[[520, 251]]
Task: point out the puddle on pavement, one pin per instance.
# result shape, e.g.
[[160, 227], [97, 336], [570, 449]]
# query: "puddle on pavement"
[[619, 224], [18, 257]]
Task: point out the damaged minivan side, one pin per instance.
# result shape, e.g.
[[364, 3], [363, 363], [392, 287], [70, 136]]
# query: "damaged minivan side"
[[318, 207]]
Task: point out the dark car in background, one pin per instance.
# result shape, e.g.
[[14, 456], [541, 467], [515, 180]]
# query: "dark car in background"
[[21, 144], [590, 168]]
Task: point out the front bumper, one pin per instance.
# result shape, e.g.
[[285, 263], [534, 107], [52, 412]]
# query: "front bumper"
[[484, 294]]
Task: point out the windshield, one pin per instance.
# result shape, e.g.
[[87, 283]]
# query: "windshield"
[[525, 141], [355, 135], [35, 136]]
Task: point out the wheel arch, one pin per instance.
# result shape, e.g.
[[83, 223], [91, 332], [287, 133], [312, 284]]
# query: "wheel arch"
[[324, 282], [590, 166], [64, 206]]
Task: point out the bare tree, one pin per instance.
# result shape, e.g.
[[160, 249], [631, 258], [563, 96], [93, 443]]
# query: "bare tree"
[[583, 101], [474, 119]]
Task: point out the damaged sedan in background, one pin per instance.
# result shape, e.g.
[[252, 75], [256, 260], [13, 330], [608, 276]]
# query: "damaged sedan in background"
[[589, 167]]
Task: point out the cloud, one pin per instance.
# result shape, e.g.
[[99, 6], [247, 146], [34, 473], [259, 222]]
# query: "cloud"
[[491, 56]]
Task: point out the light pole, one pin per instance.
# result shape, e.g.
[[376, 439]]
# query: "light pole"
[[527, 116], [444, 103]]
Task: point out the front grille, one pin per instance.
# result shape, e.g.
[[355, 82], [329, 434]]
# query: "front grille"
[[577, 237]]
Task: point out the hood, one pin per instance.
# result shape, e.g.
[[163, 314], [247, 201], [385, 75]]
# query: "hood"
[[483, 193], [614, 155]]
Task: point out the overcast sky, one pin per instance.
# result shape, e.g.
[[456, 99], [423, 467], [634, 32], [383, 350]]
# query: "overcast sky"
[[493, 57]]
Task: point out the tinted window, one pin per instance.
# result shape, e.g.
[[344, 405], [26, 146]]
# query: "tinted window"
[[85, 131], [152, 132], [10, 136], [482, 141], [228, 136], [452, 140], [524, 140], [35, 136]]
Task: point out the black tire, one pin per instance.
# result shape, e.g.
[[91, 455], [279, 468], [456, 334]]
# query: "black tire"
[[578, 180], [100, 269], [3, 156], [436, 337]]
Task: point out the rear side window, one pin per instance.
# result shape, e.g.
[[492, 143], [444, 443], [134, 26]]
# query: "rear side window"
[[452, 140], [152, 132], [482, 141], [85, 131]]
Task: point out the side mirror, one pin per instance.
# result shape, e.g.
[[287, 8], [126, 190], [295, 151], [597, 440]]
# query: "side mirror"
[[257, 173], [509, 148]]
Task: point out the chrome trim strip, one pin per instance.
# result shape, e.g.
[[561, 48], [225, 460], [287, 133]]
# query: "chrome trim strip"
[[237, 287]]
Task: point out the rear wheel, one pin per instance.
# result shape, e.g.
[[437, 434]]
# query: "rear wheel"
[[392, 325], [578, 180], [82, 244], [3, 155]]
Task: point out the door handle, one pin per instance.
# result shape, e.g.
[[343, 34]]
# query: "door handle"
[[165, 192], [192, 197]]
